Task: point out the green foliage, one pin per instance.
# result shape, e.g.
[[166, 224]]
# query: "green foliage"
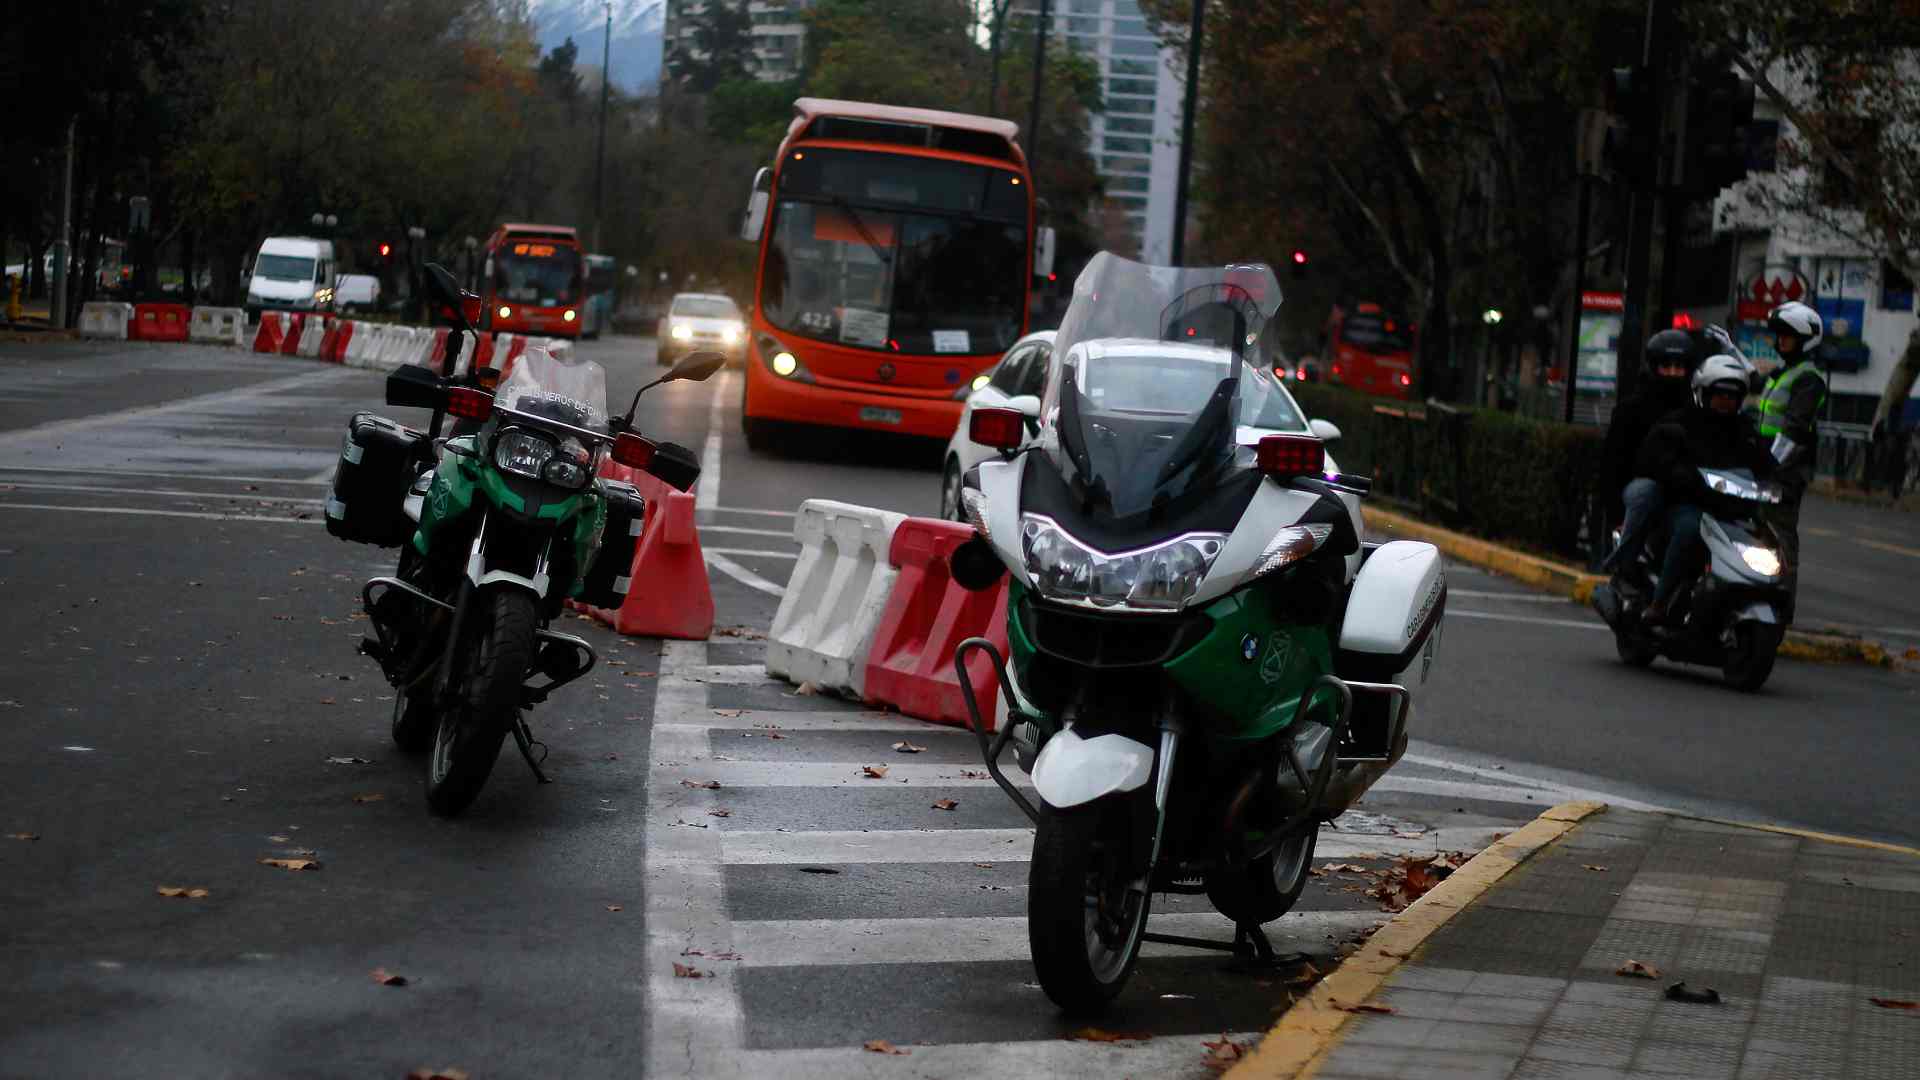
[[1493, 474], [751, 112]]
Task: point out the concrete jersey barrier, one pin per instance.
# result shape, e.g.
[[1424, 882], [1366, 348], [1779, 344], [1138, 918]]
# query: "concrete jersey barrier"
[[833, 603]]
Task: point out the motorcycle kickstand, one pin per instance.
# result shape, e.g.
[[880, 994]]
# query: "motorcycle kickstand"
[[1253, 952], [523, 738]]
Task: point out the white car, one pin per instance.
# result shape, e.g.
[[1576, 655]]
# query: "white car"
[[702, 321], [1018, 381]]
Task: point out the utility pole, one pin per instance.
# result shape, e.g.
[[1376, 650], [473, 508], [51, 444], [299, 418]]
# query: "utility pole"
[[1647, 199], [1186, 132], [58, 313], [1039, 79], [600, 153]]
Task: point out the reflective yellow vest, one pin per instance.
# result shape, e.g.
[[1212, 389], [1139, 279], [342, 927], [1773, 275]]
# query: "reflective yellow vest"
[[1779, 392]]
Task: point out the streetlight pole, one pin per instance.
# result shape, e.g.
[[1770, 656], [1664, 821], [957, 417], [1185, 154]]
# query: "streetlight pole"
[[1039, 79], [1186, 132], [600, 153]]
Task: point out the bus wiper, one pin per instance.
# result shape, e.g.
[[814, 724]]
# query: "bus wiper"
[[860, 226]]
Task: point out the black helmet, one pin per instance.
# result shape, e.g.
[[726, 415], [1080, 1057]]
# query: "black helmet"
[[1669, 348]]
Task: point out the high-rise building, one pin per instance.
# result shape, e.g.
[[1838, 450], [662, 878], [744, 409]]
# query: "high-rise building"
[[776, 27], [1136, 141]]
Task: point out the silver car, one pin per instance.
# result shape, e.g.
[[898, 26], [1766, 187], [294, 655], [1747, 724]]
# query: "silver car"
[[707, 321]]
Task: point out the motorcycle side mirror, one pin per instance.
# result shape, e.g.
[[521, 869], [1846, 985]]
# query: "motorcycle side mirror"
[[449, 303], [1324, 430], [674, 465], [975, 567], [416, 387]]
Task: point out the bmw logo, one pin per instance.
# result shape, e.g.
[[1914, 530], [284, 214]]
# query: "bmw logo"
[[1249, 648], [887, 372]]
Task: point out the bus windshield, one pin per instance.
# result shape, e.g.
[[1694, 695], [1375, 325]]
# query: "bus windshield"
[[537, 273], [1374, 333], [899, 253]]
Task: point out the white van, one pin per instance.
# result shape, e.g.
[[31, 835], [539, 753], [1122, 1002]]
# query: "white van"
[[357, 292], [292, 273]]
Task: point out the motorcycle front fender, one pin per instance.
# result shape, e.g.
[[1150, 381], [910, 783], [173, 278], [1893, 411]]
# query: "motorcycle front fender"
[[1072, 771], [1759, 611]]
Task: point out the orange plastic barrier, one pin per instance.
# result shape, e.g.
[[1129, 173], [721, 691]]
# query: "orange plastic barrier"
[[297, 325], [910, 665], [333, 344], [273, 332], [159, 322], [670, 596]]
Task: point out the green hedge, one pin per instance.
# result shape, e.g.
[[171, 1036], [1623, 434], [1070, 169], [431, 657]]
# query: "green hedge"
[[1489, 473]]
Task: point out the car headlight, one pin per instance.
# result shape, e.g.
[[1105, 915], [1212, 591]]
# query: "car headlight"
[[1762, 561], [522, 453], [1158, 578], [682, 333], [1289, 546], [730, 335]]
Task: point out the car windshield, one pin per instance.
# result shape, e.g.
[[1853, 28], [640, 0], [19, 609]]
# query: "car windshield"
[[900, 253], [1163, 367], [284, 268], [545, 275], [704, 307], [569, 391]]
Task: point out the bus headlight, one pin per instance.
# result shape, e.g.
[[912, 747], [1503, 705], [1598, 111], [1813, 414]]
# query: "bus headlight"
[[784, 364], [567, 315], [506, 312], [682, 332]]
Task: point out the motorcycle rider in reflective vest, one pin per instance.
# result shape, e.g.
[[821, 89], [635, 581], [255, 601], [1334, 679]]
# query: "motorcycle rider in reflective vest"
[[1789, 407]]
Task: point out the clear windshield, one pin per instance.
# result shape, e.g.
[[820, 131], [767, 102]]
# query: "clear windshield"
[[1163, 365], [705, 307], [544, 275], [888, 251], [569, 391], [284, 268]]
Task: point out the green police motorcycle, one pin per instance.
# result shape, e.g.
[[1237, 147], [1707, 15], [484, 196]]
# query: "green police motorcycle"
[[498, 525], [1206, 662]]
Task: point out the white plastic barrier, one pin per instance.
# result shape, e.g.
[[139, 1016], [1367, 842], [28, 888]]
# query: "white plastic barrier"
[[399, 347], [365, 340], [826, 622], [105, 319], [312, 330], [218, 326]]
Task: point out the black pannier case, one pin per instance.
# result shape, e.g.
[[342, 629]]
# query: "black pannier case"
[[605, 585], [378, 462]]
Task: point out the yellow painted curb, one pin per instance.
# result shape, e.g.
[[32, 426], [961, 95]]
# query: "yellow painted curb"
[[1577, 585], [1810, 834], [1299, 1043]]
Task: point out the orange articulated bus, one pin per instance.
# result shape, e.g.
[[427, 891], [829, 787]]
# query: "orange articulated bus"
[[535, 281], [896, 254]]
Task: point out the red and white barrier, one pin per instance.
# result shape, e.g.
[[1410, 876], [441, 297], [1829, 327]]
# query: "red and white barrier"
[[105, 319], [275, 328], [910, 664], [670, 596], [313, 330], [333, 346], [833, 603]]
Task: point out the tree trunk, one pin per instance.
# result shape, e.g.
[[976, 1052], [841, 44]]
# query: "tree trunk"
[[1893, 399]]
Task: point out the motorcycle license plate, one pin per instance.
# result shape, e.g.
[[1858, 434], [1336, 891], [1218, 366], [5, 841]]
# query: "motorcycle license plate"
[[879, 416]]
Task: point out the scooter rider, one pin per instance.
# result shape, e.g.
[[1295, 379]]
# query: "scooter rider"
[[1635, 500], [1710, 434], [1789, 406]]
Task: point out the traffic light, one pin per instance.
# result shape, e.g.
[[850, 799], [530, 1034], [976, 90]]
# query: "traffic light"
[[386, 252], [1299, 263], [1719, 112], [1627, 152]]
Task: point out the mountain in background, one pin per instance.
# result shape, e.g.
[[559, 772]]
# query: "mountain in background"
[[635, 49]]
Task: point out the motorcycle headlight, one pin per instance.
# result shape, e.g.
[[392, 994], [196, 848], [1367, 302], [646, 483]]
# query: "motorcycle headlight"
[[522, 453], [1289, 546], [1158, 578], [1762, 561]]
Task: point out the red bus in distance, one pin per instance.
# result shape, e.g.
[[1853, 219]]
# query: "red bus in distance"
[[535, 281], [1370, 351]]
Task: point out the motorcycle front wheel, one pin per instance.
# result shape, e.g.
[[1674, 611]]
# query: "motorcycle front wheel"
[[467, 739], [1269, 886], [1750, 661], [1083, 921], [413, 720]]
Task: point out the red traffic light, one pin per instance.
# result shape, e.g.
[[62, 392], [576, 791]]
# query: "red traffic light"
[[1299, 258], [1684, 321], [386, 250]]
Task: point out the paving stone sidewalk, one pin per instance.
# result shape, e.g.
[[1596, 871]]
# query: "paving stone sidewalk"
[[1797, 936]]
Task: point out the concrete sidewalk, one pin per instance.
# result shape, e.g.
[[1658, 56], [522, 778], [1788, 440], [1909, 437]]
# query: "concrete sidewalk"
[[1512, 975]]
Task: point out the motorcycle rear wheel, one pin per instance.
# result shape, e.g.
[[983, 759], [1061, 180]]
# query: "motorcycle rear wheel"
[[466, 742], [1750, 661], [1083, 923], [1634, 651], [1269, 886]]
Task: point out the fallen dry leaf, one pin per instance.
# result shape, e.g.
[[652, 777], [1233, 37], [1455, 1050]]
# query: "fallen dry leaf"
[[984, 865], [944, 804], [1225, 1054], [387, 978], [709, 785], [278, 839], [972, 774], [372, 796], [1595, 869], [774, 735], [873, 772], [291, 864], [906, 747], [882, 1046], [326, 701], [1307, 974], [614, 907], [805, 689], [445, 1072], [1634, 969], [348, 761], [729, 712], [747, 632], [23, 836], [181, 891], [1094, 1034], [639, 674], [1348, 868], [728, 955], [1894, 1003], [683, 971], [1364, 1007], [719, 812]]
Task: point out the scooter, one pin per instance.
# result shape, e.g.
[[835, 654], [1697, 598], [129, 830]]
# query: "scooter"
[[1206, 663], [1734, 615]]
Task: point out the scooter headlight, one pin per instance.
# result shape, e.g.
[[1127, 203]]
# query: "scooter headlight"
[[1158, 578], [1762, 561], [522, 453]]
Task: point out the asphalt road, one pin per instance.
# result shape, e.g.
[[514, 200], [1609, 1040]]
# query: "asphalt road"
[[178, 671]]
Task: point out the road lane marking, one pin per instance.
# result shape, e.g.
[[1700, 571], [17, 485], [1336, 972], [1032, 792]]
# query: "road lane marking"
[[743, 575], [1564, 792], [708, 496], [1531, 620], [171, 493], [1165, 1056], [897, 846], [757, 513], [1882, 545], [221, 478], [739, 530], [785, 722], [162, 513], [1519, 598], [258, 392], [997, 939], [789, 556]]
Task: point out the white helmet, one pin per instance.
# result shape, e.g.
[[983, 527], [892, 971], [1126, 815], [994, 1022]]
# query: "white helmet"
[[1728, 371], [1796, 318]]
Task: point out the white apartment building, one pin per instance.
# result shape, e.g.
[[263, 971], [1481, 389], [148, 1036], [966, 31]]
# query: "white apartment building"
[[779, 34], [1136, 141]]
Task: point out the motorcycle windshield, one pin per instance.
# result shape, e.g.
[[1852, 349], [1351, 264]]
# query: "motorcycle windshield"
[[1161, 366], [565, 390]]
